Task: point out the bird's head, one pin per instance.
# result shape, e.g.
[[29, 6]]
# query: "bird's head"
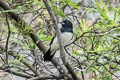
[[67, 25]]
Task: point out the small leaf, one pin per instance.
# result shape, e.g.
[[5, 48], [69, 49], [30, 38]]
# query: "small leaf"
[[103, 12], [61, 13], [21, 57], [100, 48], [75, 52], [74, 5]]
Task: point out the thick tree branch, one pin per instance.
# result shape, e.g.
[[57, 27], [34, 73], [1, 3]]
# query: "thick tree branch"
[[34, 37], [62, 51], [12, 14]]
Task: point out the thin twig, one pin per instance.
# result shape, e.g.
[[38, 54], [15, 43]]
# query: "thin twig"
[[9, 32], [47, 77]]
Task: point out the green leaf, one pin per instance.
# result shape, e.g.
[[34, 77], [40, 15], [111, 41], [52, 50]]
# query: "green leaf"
[[58, 11], [67, 1], [14, 30], [44, 37], [115, 15], [21, 57], [103, 12], [75, 52], [61, 13], [40, 3], [12, 10], [100, 48], [106, 12], [74, 5], [83, 25]]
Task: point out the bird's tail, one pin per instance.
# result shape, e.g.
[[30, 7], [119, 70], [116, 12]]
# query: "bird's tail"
[[47, 56]]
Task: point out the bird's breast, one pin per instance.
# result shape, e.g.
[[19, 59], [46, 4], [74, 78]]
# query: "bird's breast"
[[66, 38]]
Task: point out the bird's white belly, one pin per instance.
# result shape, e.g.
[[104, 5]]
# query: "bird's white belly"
[[66, 38]]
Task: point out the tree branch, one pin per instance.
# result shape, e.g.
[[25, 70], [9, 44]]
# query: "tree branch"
[[25, 62], [34, 37], [6, 46], [47, 77], [58, 34], [16, 73]]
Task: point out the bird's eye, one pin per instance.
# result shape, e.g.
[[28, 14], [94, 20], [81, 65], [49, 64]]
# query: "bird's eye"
[[67, 22]]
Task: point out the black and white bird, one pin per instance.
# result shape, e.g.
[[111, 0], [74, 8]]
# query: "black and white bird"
[[66, 34]]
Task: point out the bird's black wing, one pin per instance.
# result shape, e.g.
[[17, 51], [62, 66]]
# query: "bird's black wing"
[[47, 55], [52, 40]]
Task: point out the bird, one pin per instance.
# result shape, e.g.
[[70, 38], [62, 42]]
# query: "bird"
[[66, 34]]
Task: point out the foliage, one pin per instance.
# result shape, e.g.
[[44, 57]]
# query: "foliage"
[[102, 45], [96, 48]]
